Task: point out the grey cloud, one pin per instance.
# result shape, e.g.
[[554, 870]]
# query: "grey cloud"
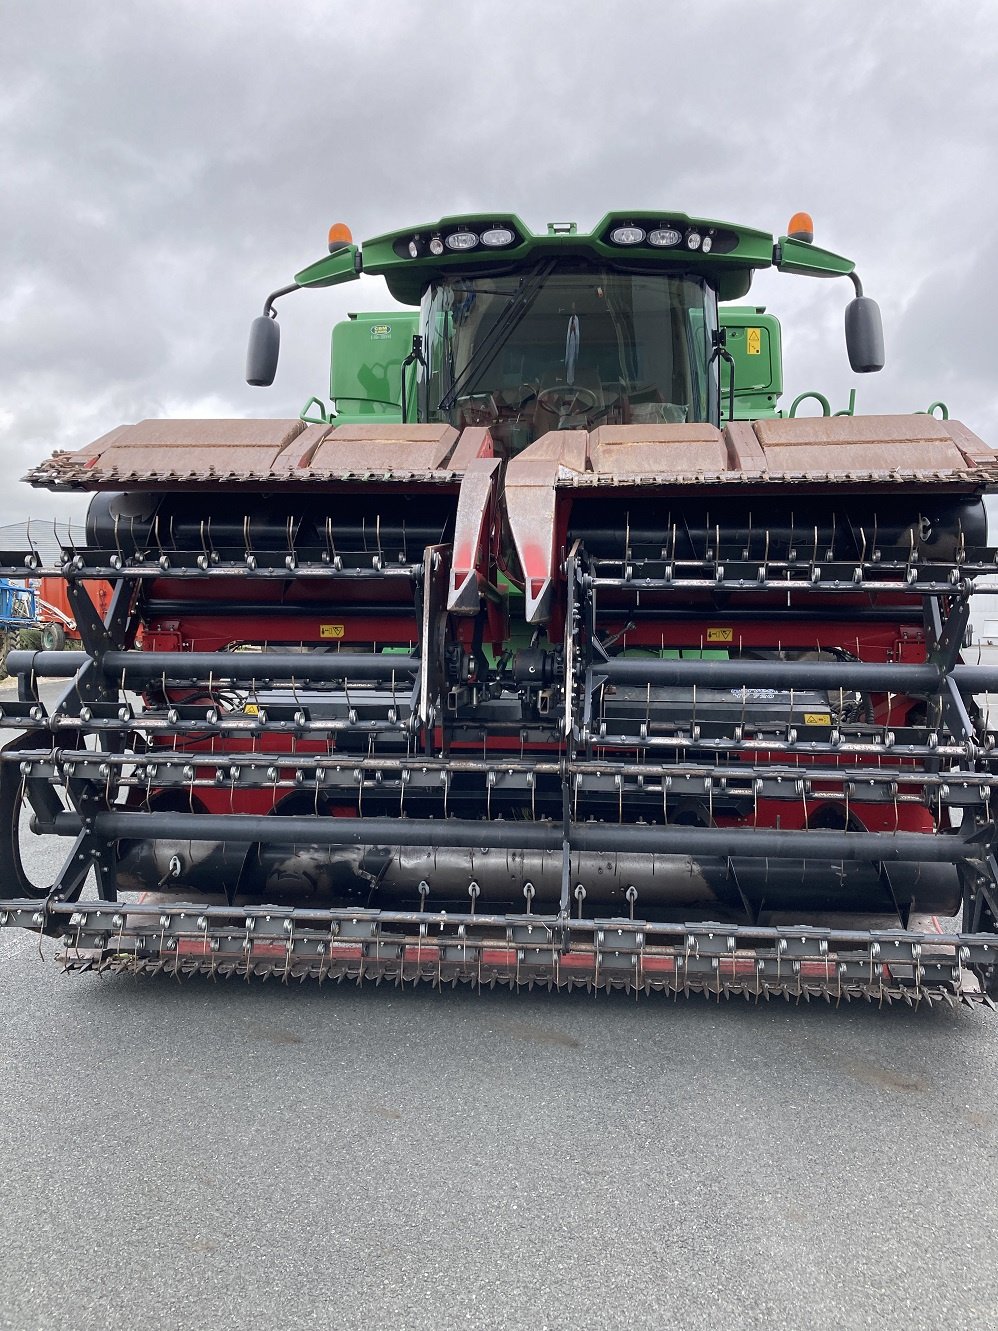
[[167, 164]]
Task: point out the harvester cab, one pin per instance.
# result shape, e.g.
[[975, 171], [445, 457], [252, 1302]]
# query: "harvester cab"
[[550, 651], [528, 333]]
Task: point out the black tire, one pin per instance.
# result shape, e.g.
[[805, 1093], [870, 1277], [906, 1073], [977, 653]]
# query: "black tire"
[[13, 874], [53, 636], [10, 640]]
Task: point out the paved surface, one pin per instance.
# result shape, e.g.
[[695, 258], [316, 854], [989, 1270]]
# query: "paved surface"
[[217, 1156]]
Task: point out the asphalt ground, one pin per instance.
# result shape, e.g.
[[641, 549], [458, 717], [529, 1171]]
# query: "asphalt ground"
[[222, 1155]]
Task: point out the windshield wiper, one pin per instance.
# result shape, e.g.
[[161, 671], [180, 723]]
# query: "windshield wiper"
[[490, 346]]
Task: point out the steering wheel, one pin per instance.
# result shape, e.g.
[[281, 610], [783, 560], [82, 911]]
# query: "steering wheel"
[[567, 399]]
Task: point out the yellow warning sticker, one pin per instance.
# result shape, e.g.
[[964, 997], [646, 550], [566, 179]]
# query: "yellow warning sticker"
[[817, 718], [251, 709], [753, 341], [720, 635], [331, 630]]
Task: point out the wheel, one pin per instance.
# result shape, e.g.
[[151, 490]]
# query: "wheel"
[[53, 636], [20, 875], [10, 640], [567, 400]]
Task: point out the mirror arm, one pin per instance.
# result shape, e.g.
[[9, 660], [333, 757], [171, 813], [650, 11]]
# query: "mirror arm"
[[854, 276], [268, 304]]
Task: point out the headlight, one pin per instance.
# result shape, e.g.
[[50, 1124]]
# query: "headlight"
[[664, 237], [627, 235], [706, 245], [436, 246], [462, 240], [693, 239], [497, 236]]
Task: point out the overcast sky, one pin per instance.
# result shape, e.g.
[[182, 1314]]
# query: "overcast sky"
[[165, 165]]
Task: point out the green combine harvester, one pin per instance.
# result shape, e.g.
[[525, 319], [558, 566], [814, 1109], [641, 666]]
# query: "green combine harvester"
[[550, 651]]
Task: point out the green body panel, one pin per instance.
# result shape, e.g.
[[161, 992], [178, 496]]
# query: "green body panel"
[[806, 260], [343, 266], [365, 381], [755, 345]]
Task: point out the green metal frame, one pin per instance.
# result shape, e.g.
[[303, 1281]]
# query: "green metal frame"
[[737, 252]]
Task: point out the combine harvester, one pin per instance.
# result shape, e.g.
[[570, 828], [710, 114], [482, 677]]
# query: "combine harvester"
[[553, 654]]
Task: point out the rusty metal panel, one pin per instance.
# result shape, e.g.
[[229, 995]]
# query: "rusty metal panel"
[[853, 450], [744, 450], [175, 451], [657, 450], [474, 506], [831, 445], [567, 448], [475, 442], [974, 449], [532, 480], [383, 448], [247, 452]]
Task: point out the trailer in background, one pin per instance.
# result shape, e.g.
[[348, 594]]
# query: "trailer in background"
[[55, 614]]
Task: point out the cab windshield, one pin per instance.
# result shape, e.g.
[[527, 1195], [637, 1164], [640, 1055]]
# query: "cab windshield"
[[564, 347]]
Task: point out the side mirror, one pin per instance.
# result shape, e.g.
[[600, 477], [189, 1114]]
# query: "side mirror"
[[263, 351], [864, 335]]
